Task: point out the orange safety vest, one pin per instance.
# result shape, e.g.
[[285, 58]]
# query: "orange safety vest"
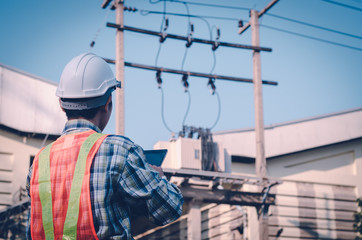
[[59, 190]]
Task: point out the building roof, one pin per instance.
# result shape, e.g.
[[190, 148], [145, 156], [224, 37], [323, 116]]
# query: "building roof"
[[295, 136], [28, 103]]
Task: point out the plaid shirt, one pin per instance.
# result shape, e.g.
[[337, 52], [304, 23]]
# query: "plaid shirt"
[[123, 184]]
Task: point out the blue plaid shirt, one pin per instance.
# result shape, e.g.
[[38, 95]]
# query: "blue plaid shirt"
[[121, 182]]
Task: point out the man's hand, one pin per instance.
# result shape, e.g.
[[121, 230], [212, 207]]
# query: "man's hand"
[[158, 169]]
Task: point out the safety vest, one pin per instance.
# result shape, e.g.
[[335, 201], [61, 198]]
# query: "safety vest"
[[59, 190]]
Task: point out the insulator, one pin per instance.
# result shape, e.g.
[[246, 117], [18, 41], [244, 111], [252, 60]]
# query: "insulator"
[[189, 37], [185, 82], [163, 37], [158, 78], [166, 24], [241, 24], [189, 41], [185, 77], [211, 83], [164, 34], [215, 45], [130, 9]]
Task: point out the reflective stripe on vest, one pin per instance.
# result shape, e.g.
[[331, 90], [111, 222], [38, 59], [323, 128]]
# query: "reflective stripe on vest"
[[69, 190]]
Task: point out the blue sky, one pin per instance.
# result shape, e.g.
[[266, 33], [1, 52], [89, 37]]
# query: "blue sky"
[[315, 77]]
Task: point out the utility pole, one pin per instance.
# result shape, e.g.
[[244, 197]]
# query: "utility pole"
[[260, 161], [120, 112]]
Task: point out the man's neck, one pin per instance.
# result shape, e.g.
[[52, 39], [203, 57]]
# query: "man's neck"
[[94, 120]]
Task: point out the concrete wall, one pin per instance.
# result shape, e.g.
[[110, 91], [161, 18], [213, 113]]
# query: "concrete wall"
[[335, 164], [15, 154]]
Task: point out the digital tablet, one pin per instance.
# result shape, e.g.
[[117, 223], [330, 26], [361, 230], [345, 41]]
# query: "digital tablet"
[[155, 157]]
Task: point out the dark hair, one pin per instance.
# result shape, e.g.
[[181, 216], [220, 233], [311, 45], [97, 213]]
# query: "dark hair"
[[87, 113]]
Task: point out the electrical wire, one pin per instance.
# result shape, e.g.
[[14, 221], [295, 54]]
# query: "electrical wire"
[[161, 27], [184, 59], [188, 32], [188, 107], [211, 71], [343, 5], [156, 63], [101, 26], [164, 16], [163, 111], [214, 62], [158, 54], [144, 12], [314, 26], [206, 5], [188, 15], [182, 66], [219, 110], [310, 37], [213, 52]]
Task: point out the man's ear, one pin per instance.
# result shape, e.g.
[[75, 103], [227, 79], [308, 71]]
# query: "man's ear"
[[108, 105], [61, 105]]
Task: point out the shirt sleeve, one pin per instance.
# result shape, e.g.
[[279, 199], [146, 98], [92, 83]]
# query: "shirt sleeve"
[[142, 185]]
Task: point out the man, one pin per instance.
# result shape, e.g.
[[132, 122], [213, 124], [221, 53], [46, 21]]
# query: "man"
[[88, 185]]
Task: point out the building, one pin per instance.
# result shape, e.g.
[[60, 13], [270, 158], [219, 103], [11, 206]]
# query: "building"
[[30, 118], [319, 163]]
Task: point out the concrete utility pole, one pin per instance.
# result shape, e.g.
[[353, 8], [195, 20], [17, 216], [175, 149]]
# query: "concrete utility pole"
[[194, 220], [120, 112], [260, 161]]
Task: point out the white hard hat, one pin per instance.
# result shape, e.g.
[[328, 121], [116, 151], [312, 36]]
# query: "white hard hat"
[[86, 76]]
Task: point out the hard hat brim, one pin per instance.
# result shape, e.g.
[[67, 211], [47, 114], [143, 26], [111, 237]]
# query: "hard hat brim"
[[86, 103]]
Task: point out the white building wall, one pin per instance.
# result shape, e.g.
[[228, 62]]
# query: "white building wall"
[[28, 103], [15, 154], [335, 164], [290, 137]]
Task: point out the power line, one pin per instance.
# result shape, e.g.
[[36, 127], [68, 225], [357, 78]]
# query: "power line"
[[188, 44], [314, 26], [183, 63], [189, 33], [188, 107], [219, 110], [146, 12], [163, 111], [101, 26], [195, 74], [198, 40], [164, 22], [310, 37], [206, 5], [343, 5], [164, 25]]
